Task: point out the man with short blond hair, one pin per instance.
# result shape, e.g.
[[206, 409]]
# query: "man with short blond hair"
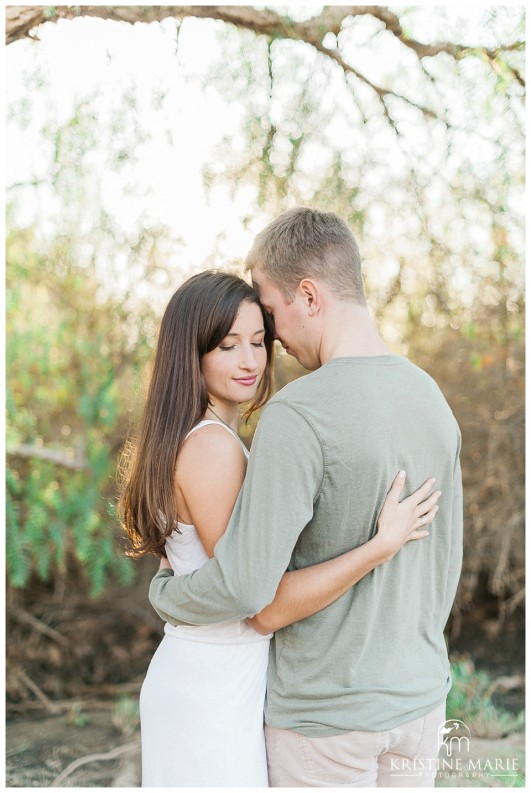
[[303, 243]]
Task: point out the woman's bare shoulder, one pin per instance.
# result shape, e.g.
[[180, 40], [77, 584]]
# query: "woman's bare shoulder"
[[208, 447]]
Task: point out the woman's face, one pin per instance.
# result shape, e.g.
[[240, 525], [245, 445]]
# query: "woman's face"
[[233, 370]]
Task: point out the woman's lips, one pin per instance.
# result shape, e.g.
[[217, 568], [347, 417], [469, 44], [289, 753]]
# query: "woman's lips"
[[246, 380]]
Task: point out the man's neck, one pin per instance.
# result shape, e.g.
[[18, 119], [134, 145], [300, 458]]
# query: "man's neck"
[[351, 333]]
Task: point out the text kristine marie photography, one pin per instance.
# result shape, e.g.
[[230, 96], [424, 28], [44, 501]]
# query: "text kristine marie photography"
[[456, 759]]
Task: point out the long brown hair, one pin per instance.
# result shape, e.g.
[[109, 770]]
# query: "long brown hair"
[[197, 319]]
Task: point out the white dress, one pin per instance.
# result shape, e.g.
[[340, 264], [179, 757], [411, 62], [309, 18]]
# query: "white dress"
[[202, 701]]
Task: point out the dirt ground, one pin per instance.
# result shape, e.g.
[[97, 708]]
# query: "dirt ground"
[[75, 668], [42, 748], [39, 748]]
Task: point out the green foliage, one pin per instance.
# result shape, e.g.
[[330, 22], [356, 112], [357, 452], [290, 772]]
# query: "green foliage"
[[125, 714], [76, 717], [470, 701], [67, 362], [75, 350]]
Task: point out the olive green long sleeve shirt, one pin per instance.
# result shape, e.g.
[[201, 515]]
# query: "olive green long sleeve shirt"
[[323, 457]]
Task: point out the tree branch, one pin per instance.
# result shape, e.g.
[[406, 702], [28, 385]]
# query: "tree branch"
[[28, 451], [34, 688], [381, 92], [456, 51], [24, 616], [93, 758], [21, 20]]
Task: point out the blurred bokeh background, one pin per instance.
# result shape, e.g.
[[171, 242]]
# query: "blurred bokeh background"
[[145, 144]]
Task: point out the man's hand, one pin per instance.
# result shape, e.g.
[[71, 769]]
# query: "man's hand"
[[164, 564]]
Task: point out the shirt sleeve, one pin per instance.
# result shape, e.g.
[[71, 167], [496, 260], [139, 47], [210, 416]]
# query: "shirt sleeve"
[[456, 545], [284, 478]]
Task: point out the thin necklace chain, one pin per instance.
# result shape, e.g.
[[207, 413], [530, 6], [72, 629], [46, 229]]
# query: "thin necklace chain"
[[220, 419]]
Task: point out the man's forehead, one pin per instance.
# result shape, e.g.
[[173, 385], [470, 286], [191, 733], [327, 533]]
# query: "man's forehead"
[[268, 291], [256, 278]]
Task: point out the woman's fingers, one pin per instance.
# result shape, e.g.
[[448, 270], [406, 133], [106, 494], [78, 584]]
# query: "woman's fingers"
[[397, 486], [430, 502], [422, 493], [420, 526], [418, 535], [426, 518]]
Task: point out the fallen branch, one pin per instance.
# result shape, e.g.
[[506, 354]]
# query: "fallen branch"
[[93, 758], [132, 686], [511, 683], [23, 616], [60, 706], [45, 701], [106, 689]]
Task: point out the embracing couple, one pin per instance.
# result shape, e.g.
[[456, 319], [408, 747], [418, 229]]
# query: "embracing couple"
[[304, 577]]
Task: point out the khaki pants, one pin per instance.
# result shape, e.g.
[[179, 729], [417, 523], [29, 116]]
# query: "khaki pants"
[[405, 756]]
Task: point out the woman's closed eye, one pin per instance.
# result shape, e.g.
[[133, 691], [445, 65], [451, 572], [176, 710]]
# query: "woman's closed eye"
[[233, 346]]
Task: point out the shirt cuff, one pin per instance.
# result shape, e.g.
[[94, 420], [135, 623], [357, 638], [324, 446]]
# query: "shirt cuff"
[[164, 573]]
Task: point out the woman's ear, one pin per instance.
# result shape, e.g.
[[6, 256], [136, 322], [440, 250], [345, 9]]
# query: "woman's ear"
[[311, 295]]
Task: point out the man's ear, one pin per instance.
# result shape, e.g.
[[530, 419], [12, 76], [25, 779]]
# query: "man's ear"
[[311, 294]]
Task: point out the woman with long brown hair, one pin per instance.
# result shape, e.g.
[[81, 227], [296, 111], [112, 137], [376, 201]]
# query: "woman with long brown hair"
[[202, 700]]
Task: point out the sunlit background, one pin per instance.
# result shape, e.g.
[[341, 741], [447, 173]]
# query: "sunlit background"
[[139, 154]]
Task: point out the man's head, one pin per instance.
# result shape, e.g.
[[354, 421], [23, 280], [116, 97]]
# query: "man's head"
[[305, 243], [303, 261]]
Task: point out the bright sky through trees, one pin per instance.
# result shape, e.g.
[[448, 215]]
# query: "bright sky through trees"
[[77, 57], [185, 116]]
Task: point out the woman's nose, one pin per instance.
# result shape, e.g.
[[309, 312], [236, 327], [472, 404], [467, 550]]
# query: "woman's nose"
[[248, 358]]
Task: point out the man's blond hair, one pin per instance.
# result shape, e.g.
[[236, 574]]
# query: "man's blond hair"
[[305, 243]]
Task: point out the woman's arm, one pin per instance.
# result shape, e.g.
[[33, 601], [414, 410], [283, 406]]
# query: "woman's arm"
[[210, 472], [307, 591]]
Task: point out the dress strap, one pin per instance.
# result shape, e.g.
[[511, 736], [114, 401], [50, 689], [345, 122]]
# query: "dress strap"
[[206, 422]]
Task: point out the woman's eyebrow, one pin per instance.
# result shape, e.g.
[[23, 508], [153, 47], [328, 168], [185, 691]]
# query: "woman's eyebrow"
[[261, 330]]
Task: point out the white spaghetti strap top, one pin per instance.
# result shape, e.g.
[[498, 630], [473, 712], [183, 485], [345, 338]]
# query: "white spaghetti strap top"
[[206, 422]]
